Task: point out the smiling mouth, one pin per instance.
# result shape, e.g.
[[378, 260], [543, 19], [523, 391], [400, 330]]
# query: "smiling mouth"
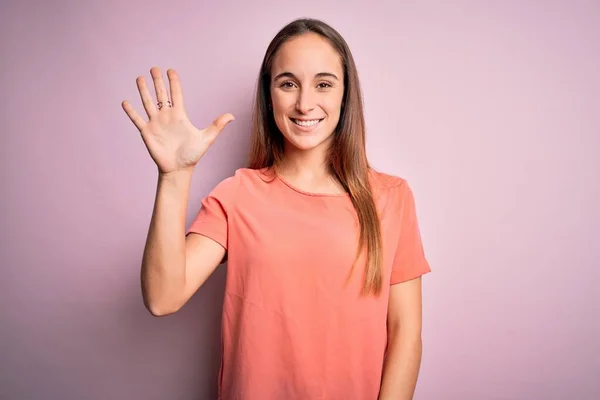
[[306, 123]]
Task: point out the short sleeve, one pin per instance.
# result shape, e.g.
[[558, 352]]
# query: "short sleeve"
[[409, 261], [212, 218]]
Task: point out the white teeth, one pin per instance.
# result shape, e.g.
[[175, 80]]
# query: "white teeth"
[[306, 123]]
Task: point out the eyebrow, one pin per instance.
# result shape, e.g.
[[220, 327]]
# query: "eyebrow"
[[319, 75]]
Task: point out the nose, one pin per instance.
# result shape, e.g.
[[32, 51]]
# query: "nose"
[[305, 101]]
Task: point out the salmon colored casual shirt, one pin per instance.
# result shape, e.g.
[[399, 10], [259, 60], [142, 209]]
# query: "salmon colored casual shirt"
[[293, 326]]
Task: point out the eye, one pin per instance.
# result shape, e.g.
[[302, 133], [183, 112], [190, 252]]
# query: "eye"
[[324, 85], [287, 85]]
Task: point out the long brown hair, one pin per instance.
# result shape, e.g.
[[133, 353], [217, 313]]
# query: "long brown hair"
[[347, 157]]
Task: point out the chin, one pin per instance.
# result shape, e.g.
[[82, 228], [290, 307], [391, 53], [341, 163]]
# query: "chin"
[[306, 143]]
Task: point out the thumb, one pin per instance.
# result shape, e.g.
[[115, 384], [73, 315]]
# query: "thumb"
[[220, 123]]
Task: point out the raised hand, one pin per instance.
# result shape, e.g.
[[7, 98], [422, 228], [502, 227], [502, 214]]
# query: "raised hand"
[[172, 141]]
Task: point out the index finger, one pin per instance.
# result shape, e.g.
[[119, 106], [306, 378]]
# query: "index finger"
[[175, 88]]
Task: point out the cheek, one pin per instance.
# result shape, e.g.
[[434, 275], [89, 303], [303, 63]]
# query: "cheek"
[[334, 101], [334, 106], [281, 101], [280, 109]]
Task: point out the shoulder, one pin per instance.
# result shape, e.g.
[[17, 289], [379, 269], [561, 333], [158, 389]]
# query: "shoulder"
[[382, 183], [243, 179], [391, 190], [240, 176], [250, 179]]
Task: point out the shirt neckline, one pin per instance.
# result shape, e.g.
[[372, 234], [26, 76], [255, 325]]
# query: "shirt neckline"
[[306, 193]]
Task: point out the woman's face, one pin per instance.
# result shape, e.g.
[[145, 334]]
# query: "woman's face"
[[307, 88]]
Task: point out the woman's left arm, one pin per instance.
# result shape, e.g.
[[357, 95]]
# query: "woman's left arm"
[[403, 359]]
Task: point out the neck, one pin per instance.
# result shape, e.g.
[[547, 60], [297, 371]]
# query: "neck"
[[308, 169], [305, 162]]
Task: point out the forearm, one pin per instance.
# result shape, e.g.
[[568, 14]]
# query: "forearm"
[[401, 367], [163, 264]]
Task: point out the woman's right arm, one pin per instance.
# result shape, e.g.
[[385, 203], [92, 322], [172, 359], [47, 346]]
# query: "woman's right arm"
[[174, 266]]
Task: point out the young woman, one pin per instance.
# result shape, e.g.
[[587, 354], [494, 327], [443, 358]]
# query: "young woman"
[[323, 291]]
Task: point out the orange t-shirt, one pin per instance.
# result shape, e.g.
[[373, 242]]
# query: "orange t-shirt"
[[293, 327]]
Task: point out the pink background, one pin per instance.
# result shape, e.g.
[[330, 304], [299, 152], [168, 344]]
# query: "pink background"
[[490, 109]]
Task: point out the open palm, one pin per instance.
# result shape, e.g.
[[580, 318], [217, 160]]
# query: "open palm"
[[173, 142]]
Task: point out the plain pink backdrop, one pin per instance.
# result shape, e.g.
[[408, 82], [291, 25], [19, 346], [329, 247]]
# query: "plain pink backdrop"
[[491, 110]]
